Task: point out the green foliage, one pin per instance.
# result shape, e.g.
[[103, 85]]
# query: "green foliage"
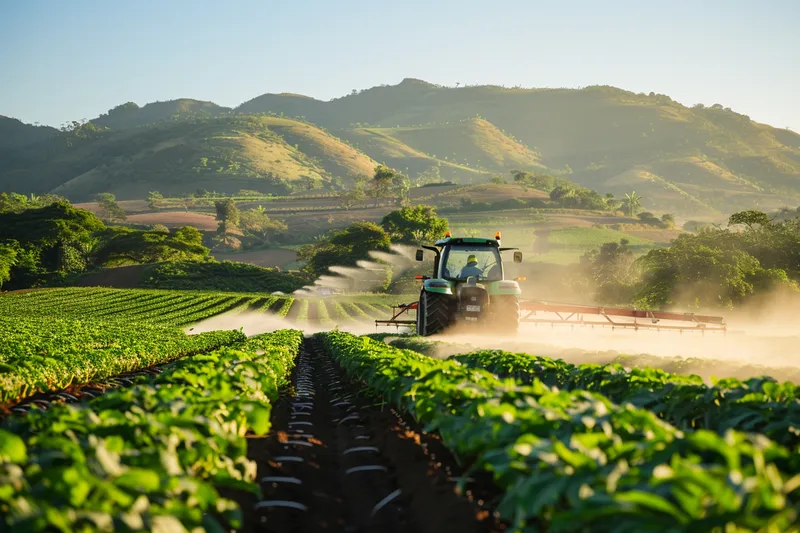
[[632, 203], [155, 456], [567, 460], [124, 245], [752, 219], [223, 276], [542, 182], [228, 216], [415, 224], [16, 203], [111, 209], [723, 267], [613, 272], [153, 197], [345, 247], [255, 222], [8, 258]]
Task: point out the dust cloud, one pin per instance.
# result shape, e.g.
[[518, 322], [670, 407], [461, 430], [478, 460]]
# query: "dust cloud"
[[254, 323], [365, 276]]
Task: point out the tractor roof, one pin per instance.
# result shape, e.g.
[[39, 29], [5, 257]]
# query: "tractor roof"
[[467, 240]]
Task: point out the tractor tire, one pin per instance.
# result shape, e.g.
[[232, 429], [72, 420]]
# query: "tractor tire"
[[505, 314], [433, 313]]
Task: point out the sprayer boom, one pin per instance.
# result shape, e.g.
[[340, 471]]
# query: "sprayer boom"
[[538, 312], [585, 315]]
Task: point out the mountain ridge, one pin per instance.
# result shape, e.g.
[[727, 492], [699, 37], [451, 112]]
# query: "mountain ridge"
[[602, 137]]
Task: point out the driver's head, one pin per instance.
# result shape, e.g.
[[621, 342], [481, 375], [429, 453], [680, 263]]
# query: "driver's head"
[[472, 260]]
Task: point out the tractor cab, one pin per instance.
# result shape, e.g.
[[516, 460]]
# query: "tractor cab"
[[467, 285]]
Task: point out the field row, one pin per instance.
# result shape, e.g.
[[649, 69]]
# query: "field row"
[[180, 308], [574, 460], [124, 465]]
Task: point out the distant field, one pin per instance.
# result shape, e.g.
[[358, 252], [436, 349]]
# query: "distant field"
[[593, 237], [173, 219], [266, 258]]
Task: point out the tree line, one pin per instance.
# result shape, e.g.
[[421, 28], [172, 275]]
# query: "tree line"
[[718, 267]]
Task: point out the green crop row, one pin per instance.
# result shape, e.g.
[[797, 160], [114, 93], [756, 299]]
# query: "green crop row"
[[41, 354], [152, 457], [756, 405], [164, 307], [574, 460]]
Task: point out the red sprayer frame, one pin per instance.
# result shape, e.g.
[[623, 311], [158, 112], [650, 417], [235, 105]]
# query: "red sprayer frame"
[[584, 315], [537, 312]]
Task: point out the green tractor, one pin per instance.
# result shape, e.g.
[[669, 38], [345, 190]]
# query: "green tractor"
[[468, 287]]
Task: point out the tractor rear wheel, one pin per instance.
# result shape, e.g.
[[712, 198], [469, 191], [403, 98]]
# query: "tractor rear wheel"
[[433, 313], [505, 313]]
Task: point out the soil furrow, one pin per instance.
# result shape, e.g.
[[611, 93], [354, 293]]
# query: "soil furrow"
[[336, 461]]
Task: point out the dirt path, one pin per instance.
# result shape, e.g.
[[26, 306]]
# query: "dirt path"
[[335, 461], [125, 277]]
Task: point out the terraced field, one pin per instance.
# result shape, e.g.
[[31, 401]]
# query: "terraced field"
[[115, 419]]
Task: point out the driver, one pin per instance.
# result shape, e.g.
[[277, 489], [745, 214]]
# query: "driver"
[[471, 268]]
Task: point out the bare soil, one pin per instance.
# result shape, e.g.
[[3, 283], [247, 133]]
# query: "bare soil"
[[125, 277], [279, 257], [173, 219], [336, 460]]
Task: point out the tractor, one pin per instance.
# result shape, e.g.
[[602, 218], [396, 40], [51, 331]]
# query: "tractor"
[[468, 286]]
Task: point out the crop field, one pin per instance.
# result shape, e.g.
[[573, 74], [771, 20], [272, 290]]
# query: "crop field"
[[116, 415]]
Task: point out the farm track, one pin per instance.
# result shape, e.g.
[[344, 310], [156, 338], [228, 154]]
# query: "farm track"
[[334, 462]]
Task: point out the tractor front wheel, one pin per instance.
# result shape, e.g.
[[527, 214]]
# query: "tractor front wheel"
[[433, 313], [505, 313]]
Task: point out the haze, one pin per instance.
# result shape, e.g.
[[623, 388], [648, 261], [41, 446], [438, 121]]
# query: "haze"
[[65, 61]]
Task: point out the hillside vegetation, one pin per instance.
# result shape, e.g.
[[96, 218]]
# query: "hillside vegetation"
[[608, 138], [226, 154], [695, 161]]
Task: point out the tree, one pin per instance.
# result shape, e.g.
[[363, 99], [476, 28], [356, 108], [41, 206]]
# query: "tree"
[[125, 245], [256, 223], [345, 247], [354, 195], [382, 182], [55, 239], [188, 201], [498, 180], [309, 183], [8, 258], [152, 199], [111, 209], [415, 224], [690, 274], [632, 203], [542, 182], [668, 220], [752, 219], [228, 216], [401, 189]]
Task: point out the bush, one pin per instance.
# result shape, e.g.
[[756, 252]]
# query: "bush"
[[223, 276]]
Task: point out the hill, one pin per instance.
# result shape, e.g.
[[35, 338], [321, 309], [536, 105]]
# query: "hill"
[[16, 134], [466, 150], [225, 154], [130, 115], [702, 162], [608, 139]]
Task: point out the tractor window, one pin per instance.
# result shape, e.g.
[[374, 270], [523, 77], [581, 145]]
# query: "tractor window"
[[460, 262]]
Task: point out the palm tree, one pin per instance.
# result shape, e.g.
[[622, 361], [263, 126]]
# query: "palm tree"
[[632, 203]]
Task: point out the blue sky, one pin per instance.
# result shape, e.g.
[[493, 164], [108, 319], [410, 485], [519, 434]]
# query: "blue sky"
[[75, 59]]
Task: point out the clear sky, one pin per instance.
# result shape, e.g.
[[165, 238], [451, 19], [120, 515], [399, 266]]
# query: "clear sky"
[[64, 60]]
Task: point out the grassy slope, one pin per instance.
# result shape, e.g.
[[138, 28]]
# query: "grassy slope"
[[131, 115], [241, 152], [600, 132], [461, 149]]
